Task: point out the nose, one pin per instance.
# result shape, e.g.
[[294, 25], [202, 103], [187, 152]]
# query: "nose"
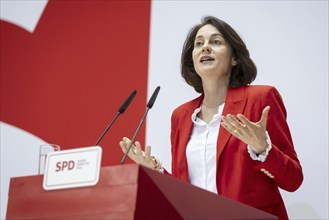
[[206, 48]]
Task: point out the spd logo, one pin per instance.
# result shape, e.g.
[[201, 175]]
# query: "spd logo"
[[65, 165]]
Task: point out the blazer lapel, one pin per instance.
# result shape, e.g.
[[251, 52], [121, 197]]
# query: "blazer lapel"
[[185, 133], [234, 104]]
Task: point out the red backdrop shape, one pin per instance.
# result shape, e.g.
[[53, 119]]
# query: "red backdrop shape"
[[66, 81]]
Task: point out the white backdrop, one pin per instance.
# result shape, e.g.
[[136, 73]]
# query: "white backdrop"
[[289, 43], [287, 40]]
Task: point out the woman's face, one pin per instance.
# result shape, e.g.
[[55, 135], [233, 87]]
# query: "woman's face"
[[212, 55]]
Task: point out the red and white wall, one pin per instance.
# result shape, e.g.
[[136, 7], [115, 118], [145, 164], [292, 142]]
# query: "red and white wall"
[[66, 67]]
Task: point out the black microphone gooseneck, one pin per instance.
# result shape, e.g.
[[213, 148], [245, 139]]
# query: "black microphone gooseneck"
[[148, 107], [120, 111]]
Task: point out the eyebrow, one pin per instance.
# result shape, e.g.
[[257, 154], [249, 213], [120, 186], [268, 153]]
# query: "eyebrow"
[[213, 35]]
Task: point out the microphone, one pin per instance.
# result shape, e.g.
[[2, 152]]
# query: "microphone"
[[148, 107], [120, 111], [153, 97]]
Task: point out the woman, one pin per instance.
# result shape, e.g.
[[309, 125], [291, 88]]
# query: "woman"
[[233, 139]]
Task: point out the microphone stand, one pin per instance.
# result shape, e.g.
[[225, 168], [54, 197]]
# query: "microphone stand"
[[148, 107], [134, 137]]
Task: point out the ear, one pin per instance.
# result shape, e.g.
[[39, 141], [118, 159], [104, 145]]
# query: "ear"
[[234, 62]]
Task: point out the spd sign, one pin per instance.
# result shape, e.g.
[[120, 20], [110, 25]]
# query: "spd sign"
[[72, 168]]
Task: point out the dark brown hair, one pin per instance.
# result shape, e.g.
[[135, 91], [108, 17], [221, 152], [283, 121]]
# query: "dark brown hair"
[[242, 74]]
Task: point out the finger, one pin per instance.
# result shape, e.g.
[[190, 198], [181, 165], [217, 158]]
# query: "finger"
[[244, 120], [263, 119], [235, 122], [123, 146], [230, 128], [148, 152], [227, 124], [125, 139], [138, 149]]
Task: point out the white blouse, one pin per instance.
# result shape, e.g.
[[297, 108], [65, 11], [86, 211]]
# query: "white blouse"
[[201, 151]]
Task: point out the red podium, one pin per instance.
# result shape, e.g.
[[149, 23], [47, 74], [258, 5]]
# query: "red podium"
[[124, 192]]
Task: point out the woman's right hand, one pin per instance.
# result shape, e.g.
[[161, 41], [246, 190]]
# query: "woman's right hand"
[[137, 154]]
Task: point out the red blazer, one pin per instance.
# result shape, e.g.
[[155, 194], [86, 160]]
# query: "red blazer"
[[238, 176]]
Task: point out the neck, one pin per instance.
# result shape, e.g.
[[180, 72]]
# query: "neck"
[[214, 95]]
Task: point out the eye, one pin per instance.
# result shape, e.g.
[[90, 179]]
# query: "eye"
[[216, 42], [198, 43]]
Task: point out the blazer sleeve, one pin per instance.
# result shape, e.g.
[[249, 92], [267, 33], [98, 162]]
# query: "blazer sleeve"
[[172, 138], [282, 161]]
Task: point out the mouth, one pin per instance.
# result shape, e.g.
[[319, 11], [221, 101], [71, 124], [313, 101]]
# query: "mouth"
[[206, 59]]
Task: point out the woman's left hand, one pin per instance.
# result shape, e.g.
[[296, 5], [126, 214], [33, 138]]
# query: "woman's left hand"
[[251, 133]]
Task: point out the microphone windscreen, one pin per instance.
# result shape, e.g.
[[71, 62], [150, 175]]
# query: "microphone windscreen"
[[127, 102], [153, 97]]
